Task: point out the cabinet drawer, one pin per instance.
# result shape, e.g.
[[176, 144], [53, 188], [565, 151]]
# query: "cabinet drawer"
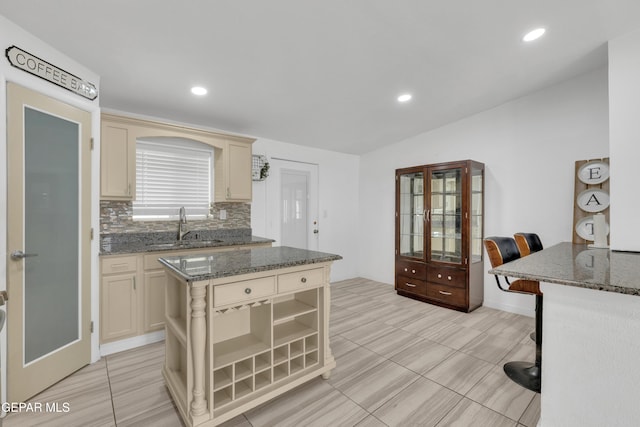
[[447, 276], [408, 284], [244, 291], [411, 269], [447, 294], [300, 279], [121, 264]]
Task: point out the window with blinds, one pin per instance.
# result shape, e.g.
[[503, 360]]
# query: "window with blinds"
[[171, 174]]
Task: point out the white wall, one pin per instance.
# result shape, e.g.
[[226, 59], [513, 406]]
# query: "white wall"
[[338, 201], [11, 34], [529, 147], [624, 110]]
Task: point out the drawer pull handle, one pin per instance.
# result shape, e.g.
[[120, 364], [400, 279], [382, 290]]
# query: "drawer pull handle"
[[439, 276], [406, 269], [448, 277], [247, 291], [303, 280], [445, 293], [413, 271], [411, 285]]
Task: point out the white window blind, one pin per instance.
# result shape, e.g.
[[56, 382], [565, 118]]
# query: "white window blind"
[[170, 175]]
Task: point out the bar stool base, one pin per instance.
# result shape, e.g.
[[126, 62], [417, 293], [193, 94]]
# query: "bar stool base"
[[526, 374]]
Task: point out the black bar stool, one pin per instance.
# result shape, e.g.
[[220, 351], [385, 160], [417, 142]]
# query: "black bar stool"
[[502, 250]]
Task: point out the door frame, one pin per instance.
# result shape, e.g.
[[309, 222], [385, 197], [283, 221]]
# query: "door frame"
[[274, 199], [88, 248]]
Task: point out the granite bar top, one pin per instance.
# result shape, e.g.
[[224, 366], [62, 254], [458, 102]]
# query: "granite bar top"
[[130, 243], [578, 265], [193, 268]]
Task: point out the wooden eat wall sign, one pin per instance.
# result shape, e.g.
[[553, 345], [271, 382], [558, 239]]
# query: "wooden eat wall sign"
[[591, 197]]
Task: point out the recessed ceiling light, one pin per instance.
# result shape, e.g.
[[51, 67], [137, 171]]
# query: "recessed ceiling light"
[[533, 35], [198, 90], [404, 98]]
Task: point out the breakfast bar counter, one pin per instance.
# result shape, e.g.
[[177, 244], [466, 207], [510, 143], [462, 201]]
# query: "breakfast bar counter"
[[243, 327], [591, 333]]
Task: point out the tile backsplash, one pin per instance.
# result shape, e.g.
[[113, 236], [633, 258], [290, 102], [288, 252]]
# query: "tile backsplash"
[[117, 217]]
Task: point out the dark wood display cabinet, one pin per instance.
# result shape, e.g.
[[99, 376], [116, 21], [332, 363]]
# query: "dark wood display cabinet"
[[439, 231]]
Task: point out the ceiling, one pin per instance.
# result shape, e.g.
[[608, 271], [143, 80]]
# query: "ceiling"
[[324, 73]]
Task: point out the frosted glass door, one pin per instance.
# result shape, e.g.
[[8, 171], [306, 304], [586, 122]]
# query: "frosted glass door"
[[445, 216], [51, 282], [48, 241]]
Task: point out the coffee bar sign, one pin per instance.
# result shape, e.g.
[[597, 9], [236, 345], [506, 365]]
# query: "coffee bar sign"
[[49, 72]]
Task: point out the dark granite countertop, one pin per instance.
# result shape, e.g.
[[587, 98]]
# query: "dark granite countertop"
[[130, 243], [578, 265], [193, 268]]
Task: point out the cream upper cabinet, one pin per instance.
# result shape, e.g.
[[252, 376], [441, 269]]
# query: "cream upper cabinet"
[[118, 157], [233, 173], [118, 162]]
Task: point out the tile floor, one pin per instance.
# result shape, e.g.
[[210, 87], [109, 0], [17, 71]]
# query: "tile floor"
[[400, 362]]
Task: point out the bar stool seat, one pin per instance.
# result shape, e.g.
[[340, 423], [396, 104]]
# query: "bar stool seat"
[[502, 250]]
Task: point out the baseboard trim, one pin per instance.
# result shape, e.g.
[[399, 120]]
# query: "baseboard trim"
[[129, 343], [509, 308]]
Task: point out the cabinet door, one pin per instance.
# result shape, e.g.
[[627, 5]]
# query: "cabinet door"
[[410, 212], [117, 163], [118, 307], [445, 214], [238, 172], [477, 211], [154, 284]]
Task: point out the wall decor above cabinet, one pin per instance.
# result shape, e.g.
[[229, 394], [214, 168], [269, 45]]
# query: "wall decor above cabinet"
[[439, 232], [232, 157]]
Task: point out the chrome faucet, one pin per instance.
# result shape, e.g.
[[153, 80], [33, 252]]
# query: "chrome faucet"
[[181, 223]]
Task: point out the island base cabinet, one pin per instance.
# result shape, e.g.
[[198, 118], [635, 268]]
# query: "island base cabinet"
[[249, 351]]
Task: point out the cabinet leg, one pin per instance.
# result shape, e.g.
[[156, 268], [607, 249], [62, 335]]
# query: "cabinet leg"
[[326, 375], [198, 340]]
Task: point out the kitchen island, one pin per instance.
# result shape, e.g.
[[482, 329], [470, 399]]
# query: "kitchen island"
[[243, 327], [591, 333]]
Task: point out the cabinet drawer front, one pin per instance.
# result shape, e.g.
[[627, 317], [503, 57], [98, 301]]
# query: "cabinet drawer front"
[[408, 284], [411, 269], [119, 264], [447, 276], [447, 294], [244, 291], [300, 279]]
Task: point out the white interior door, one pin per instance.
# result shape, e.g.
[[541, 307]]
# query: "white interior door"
[[48, 237], [292, 204]]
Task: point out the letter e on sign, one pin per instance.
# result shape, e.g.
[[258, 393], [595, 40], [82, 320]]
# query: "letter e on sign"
[[595, 172]]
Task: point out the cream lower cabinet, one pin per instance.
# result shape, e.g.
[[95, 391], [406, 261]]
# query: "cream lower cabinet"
[[132, 301], [236, 342], [132, 295], [119, 298], [153, 315]]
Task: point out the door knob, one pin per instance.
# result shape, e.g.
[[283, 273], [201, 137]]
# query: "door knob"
[[16, 255]]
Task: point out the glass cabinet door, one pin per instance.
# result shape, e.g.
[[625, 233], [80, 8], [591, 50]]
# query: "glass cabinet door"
[[477, 209], [411, 215], [445, 215]]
